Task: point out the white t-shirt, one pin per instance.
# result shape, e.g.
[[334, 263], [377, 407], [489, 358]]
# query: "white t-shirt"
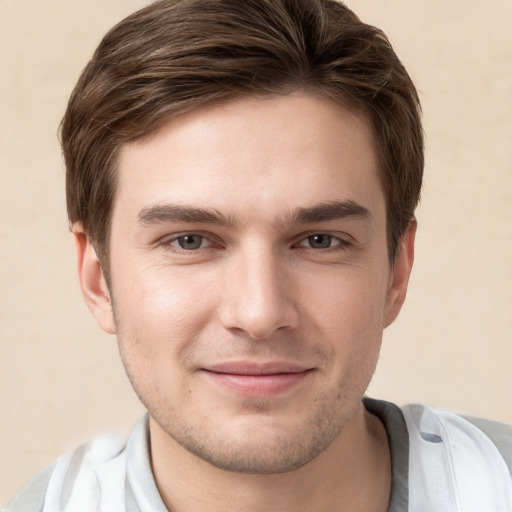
[[440, 462]]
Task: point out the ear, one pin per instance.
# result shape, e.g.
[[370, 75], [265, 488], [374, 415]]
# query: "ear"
[[92, 281], [400, 273]]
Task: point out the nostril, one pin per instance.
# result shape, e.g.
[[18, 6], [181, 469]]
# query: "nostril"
[[259, 321]]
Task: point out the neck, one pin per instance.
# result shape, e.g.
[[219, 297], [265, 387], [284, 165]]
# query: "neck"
[[353, 473]]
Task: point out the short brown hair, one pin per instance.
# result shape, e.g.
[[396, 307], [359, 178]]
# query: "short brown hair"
[[177, 55]]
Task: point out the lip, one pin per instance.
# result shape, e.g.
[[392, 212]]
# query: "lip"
[[257, 379]]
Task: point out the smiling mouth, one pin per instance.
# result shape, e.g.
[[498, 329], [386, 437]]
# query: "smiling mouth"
[[257, 379]]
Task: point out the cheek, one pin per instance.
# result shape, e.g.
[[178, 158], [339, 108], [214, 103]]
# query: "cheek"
[[348, 309], [164, 307], [159, 318], [358, 287]]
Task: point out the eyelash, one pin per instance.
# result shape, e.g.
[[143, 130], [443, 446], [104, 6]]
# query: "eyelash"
[[341, 244], [170, 244]]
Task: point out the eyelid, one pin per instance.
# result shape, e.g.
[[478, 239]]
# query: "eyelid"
[[203, 242], [344, 239], [167, 241]]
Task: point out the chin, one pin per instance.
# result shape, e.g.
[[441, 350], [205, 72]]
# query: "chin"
[[259, 443], [252, 457]]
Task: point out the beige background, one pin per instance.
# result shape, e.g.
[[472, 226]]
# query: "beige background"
[[60, 378]]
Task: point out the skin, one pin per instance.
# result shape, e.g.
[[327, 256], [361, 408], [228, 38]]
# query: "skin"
[[251, 285]]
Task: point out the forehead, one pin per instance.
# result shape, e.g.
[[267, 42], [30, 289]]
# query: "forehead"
[[276, 152]]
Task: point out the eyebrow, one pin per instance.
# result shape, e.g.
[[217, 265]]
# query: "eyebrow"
[[161, 213], [334, 210]]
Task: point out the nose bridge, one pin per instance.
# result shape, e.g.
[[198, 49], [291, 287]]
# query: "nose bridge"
[[256, 296]]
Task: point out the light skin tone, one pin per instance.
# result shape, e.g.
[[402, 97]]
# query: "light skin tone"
[[250, 285]]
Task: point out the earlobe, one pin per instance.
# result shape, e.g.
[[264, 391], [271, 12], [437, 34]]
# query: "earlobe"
[[92, 281], [400, 273]]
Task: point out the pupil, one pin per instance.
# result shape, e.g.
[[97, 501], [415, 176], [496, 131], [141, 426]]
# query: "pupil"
[[320, 241], [190, 241]]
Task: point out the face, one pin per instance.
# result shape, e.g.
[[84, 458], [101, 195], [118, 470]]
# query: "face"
[[250, 277]]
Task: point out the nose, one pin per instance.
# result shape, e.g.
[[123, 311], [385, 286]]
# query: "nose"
[[258, 297]]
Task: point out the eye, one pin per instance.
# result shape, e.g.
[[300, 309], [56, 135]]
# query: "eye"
[[190, 242], [191, 247], [321, 241]]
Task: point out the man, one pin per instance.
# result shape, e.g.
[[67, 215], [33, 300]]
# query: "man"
[[241, 184]]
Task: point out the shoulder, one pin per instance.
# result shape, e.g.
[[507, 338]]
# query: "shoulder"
[[31, 497], [499, 433], [461, 461], [74, 476], [435, 425]]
